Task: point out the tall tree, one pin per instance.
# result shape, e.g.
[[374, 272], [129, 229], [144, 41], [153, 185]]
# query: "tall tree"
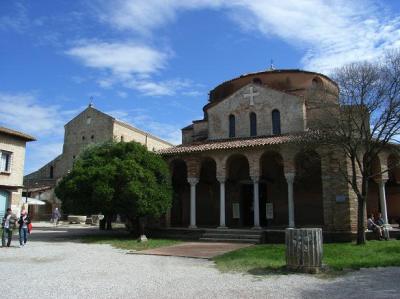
[[364, 123], [117, 178]]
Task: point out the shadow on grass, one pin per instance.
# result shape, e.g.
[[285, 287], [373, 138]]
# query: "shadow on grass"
[[270, 271], [390, 250]]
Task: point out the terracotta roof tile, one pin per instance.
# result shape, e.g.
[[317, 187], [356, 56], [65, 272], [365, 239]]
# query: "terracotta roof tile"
[[234, 143]]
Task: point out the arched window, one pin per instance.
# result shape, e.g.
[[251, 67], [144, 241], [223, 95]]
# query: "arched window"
[[276, 122], [253, 124], [232, 132]]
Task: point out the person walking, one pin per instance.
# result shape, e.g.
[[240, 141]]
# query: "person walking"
[[8, 224], [56, 216], [23, 222]]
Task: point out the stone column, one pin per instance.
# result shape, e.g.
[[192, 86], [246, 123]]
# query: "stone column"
[[193, 182], [290, 178], [382, 198], [256, 202], [222, 212]]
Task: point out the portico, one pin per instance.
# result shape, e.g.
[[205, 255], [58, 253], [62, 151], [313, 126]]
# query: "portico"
[[246, 188]]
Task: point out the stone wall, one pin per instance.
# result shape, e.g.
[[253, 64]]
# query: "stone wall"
[[88, 128], [127, 133], [291, 108]]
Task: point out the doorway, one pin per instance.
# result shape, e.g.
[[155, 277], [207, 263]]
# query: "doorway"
[[246, 206]]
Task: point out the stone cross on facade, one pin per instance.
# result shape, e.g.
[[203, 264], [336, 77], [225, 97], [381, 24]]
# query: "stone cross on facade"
[[251, 95]]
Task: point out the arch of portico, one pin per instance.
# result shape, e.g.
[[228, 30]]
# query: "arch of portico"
[[232, 188], [384, 187], [207, 195], [179, 214], [308, 204]]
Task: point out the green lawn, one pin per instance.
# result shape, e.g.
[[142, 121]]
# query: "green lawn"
[[128, 243], [261, 259]]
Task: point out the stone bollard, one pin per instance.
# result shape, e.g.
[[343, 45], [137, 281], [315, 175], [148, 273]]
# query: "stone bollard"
[[304, 249], [96, 219]]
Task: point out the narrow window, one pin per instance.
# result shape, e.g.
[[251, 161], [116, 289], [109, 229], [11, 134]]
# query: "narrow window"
[[253, 124], [5, 162], [92, 137], [83, 137], [276, 122], [122, 138], [51, 172], [232, 132]]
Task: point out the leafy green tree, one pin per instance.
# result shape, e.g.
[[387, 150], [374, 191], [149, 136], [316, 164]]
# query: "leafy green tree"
[[117, 178]]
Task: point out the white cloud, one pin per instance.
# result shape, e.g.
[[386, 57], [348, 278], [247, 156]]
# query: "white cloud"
[[17, 20], [162, 88], [143, 16], [132, 65], [331, 33], [25, 112], [122, 94], [121, 59], [22, 111]]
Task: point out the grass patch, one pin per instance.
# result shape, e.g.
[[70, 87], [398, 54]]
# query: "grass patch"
[[128, 243], [267, 258]]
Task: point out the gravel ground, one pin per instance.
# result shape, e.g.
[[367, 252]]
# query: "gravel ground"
[[45, 269]]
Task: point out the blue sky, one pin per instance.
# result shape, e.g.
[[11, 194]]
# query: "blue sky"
[[152, 63]]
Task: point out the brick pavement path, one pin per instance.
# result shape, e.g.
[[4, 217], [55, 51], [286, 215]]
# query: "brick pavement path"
[[205, 250]]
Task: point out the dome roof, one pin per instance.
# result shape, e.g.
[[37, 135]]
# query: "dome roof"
[[292, 81]]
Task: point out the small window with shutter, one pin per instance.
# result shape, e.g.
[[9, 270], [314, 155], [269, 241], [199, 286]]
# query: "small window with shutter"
[[5, 161]]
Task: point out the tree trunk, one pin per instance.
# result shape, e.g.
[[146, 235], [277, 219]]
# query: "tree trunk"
[[361, 220], [102, 223], [142, 234], [108, 222], [362, 205]]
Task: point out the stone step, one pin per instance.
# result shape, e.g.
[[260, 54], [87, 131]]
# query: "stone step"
[[252, 241], [231, 236], [232, 232]]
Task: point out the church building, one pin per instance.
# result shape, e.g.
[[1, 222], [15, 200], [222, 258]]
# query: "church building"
[[89, 127], [247, 163]]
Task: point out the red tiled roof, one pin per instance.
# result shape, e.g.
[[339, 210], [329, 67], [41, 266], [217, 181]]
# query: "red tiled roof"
[[233, 143], [17, 134]]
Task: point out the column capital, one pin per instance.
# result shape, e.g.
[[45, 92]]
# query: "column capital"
[[221, 179], [193, 181], [255, 178], [289, 177]]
